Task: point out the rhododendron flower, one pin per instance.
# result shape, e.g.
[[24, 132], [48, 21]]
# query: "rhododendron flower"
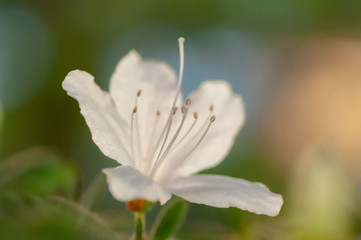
[[161, 141]]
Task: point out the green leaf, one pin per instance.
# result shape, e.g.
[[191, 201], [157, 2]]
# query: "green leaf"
[[42, 218], [169, 220], [37, 171]]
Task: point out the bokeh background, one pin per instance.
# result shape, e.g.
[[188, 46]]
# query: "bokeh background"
[[297, 65]]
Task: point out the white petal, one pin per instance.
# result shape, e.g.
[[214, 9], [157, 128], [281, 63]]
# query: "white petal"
[[223, 191], [229, 111], [100, 115], [126, 183], [158, 83]]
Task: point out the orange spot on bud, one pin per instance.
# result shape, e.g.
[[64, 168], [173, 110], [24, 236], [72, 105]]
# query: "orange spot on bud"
[[136, 205]]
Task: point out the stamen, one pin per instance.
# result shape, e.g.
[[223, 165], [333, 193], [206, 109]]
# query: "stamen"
[[211, 108], [159, 160], [173, 108], [173, 112], [188, 101], [135, 115], [195, 115], [151, 139], [212, 119], [175, 165], [132, 131]]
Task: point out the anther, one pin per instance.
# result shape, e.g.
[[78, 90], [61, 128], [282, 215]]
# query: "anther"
[[158, 113], [135, 109], [184, 109], [188, 101], [213, 118], [195, 115], [174, 110], [139, 92], [211, 108]]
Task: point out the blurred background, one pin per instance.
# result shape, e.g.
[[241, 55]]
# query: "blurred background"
[[297, 65]]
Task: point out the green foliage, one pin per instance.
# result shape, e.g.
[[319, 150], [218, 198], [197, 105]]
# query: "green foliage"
[[43, 218], [37, 171], [169, 220]]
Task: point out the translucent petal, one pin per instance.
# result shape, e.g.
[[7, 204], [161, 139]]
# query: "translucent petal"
[[100, 114], [222, 191], [229, 111], [126, 183], [157, 82]]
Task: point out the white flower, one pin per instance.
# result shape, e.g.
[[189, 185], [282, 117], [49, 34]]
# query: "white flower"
[[160, 143]]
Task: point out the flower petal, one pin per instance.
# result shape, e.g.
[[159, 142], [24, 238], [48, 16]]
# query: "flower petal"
[[100, 115], [126, 183], [229, 111], [157, 82], [223, 191]]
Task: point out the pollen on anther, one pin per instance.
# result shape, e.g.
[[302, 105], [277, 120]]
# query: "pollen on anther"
[[195, 115], [139, 92], [188, 101], [174, 110], [211, 108], [184, 109], [158, 113], [213, 118], [135, 109]]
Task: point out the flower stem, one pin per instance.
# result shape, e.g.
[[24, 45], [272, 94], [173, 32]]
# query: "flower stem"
[[139, 226]]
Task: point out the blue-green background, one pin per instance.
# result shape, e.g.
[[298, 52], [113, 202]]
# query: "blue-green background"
[[51, 185]]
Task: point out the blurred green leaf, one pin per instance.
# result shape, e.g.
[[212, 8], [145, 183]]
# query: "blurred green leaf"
[[37, 171], [30, 217], [169, 220]]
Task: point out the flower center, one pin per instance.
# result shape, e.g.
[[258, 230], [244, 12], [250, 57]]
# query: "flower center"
[[169, 140]]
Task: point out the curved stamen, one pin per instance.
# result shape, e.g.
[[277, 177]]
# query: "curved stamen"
[[195, 116], [151, 139], [173, 112], [159, 160], [211, 120], [182, 159], [132, 132], [135, 128], [180, 79]]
